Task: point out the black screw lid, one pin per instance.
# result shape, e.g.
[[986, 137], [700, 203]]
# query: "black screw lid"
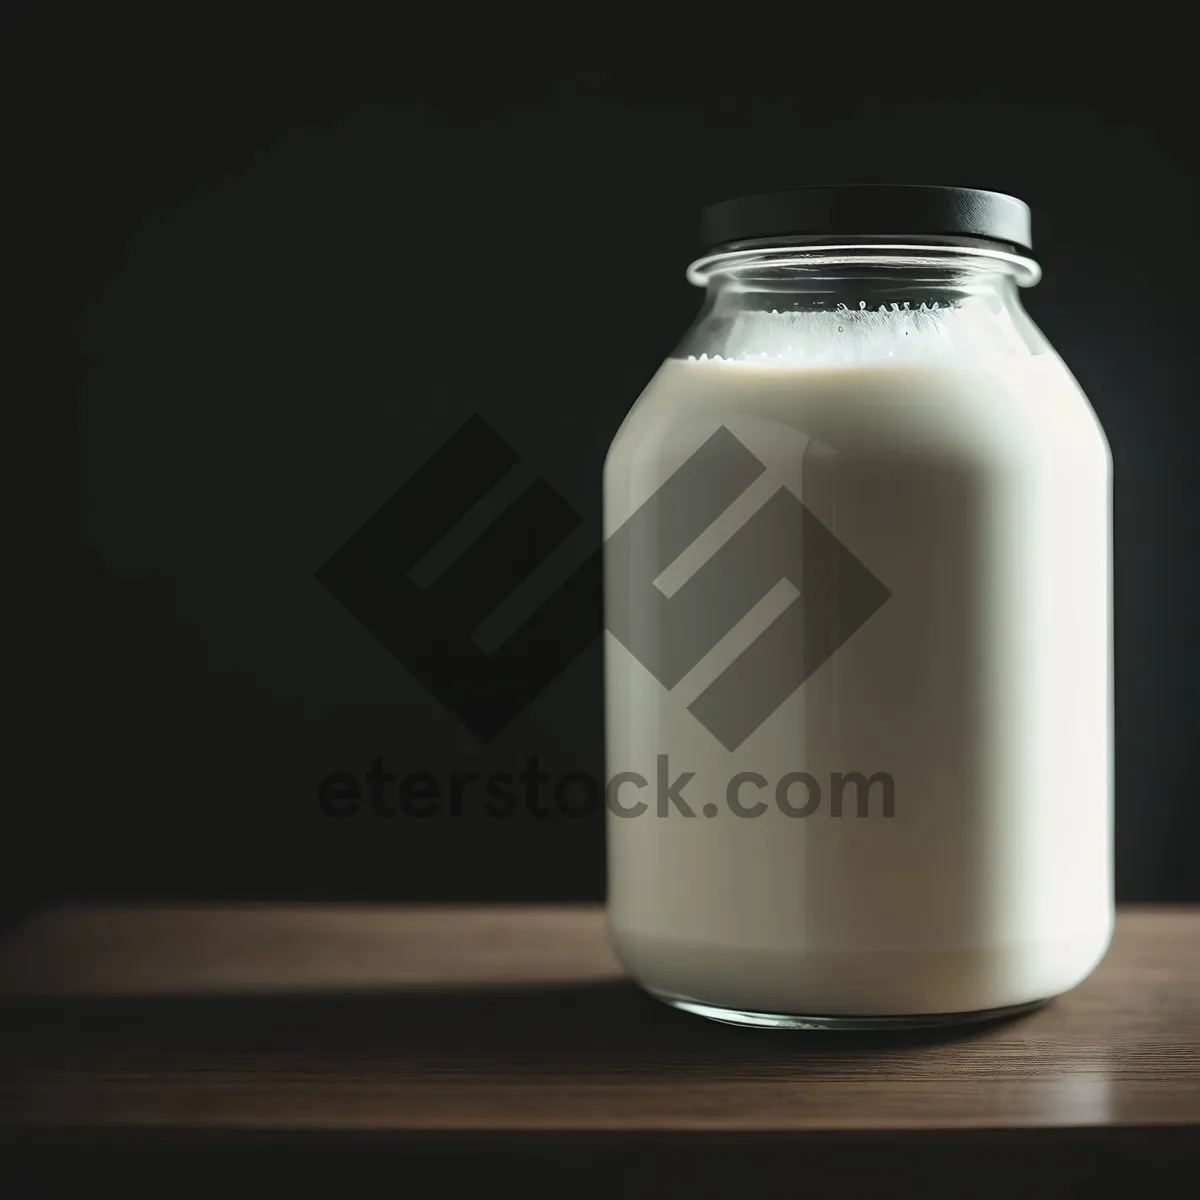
[[868, 210]]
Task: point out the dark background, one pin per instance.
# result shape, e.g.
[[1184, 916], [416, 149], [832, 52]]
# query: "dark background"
[[260, 270]]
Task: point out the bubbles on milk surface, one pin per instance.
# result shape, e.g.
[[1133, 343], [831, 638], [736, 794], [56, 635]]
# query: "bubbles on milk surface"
[[887, 333]]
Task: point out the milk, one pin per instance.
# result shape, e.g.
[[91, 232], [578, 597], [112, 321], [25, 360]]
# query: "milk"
[[972, 480]]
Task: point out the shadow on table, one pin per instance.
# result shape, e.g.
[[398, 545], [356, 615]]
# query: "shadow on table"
[[609, 1026]]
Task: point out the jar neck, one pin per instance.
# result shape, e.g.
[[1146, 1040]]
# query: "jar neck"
[[874, 299], [865, 273]]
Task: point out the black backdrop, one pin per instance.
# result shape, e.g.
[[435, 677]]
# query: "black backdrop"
[[263, 270]]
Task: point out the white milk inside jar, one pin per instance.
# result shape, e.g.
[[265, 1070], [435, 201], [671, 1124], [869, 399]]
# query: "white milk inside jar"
[[858, 648]]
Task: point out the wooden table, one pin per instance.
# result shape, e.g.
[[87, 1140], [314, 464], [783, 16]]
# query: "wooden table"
[[476, 1043]]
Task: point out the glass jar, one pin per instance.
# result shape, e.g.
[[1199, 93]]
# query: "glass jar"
[[858, 660]]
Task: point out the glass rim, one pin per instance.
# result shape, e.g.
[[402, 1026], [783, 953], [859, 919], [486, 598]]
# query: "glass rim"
[[1025, 270]]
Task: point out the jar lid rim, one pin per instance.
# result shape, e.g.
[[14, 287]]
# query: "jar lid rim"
[[910, 210]]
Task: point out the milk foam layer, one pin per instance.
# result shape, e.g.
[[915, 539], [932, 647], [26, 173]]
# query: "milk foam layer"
[[882, 334]]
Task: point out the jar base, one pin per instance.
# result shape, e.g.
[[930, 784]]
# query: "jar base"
[[761, 1020]]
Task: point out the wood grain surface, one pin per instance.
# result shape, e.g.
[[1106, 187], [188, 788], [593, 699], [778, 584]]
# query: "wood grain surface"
[[269, 1019]]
